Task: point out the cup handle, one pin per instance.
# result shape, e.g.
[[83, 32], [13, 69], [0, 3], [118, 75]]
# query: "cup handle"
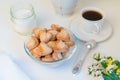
[[98, 28]]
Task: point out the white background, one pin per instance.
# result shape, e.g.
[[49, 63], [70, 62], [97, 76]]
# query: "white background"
[[13, 43]]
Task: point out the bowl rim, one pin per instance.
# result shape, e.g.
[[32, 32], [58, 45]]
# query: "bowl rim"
[[72, 37]]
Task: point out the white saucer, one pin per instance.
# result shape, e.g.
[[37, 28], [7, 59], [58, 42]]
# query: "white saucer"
[[76, 28]]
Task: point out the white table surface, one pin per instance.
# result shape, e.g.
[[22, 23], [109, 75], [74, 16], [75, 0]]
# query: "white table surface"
[[13, 43]]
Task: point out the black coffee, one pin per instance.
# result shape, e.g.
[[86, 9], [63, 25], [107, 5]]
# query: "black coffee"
[[92, 15]]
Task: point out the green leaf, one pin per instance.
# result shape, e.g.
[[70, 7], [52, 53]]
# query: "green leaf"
[[106, 77], [113, 75], [117, 63], [103, 63], [97, 57]]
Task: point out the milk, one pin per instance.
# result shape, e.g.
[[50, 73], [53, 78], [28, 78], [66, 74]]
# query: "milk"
[[24, 21]]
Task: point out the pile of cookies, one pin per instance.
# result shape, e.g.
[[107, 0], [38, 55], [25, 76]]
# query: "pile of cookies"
[[49, 44]]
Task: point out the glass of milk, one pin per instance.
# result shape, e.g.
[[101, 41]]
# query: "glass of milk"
[[23, 17]]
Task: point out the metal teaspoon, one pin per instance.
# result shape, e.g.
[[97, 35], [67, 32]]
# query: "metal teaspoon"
[[88, 45]]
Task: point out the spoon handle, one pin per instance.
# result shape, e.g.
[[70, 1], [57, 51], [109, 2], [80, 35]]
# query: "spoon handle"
[[87, 47], [79, 63]]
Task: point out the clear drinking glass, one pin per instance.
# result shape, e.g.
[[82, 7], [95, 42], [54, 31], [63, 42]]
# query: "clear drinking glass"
[[23, 18]]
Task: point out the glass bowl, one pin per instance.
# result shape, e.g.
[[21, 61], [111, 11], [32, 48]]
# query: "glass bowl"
[[69, 55]]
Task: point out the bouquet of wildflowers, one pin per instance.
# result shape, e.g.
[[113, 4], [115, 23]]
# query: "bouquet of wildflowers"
[[106, 67]]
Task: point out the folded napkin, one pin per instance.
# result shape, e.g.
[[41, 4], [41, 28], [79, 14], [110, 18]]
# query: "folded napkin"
[[9, 70]]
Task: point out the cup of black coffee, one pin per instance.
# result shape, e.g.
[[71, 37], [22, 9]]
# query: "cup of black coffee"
[[92, 19]]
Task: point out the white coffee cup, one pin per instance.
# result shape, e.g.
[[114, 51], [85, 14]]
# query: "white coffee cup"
[[92, 19], [64, 7]]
